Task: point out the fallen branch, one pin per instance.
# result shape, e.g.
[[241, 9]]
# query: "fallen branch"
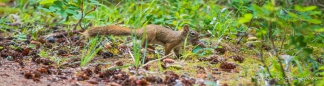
[[131, 54], [156, 60], [62, 34]]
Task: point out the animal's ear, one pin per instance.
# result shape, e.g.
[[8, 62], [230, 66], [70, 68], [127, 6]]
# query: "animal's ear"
[[185, 29]]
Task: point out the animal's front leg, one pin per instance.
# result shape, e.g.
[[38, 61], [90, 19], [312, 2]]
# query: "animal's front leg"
[[167, 49], [177, 51], [148, 46]]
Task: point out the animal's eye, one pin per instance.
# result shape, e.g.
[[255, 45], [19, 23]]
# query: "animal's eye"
[[192, 33]]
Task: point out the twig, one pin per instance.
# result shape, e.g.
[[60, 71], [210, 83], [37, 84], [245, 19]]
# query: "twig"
[[209, 74], [94, 8], [62, 34], [131, 54], [157, 60], [276, 53], [68, 40], [262, 60], [241, 36], [83, 15], [118, 67], [81, 8], [69, 64], [282, 42]]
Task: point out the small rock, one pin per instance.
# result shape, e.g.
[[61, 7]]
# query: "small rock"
[[215, 69], [54, 79], [167, 60], [80, 79], [107, 54], [217, 72], [252, 38], [175, 66], [50, 39], [92, 81], [63, 77]]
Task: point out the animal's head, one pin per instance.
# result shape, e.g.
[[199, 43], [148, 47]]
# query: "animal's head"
[[192, 36]]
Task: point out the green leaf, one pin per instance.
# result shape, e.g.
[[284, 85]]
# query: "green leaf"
[[319, 30], [70, 11], [257, 9], [46, 10], [210, 83], [89, 17], [62, 13], [52, 9], [46, 2], [73, 7], [261, 32], [308, 50], [22, 37], [300, 68], [314, 21], [310, 8], [304, 9], [246, 18], [321, 68], [292, 15], [196, 49], [59, 4], [315, 13], [95, 2]]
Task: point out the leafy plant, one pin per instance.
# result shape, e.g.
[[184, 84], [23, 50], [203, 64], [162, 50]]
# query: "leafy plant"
[[64, 8], [93, 49], [287, 27], [136, 52], [273, 23], [43, 54], [69, 9]]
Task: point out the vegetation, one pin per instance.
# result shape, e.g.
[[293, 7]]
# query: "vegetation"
[[249, 42]]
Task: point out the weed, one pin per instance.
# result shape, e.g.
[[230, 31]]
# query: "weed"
[[93, 49]]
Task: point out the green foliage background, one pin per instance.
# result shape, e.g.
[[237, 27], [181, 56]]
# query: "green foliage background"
[[290, 27]]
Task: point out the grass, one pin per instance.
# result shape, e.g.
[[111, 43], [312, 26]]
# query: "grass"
[[93, 49], [204, 16]]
